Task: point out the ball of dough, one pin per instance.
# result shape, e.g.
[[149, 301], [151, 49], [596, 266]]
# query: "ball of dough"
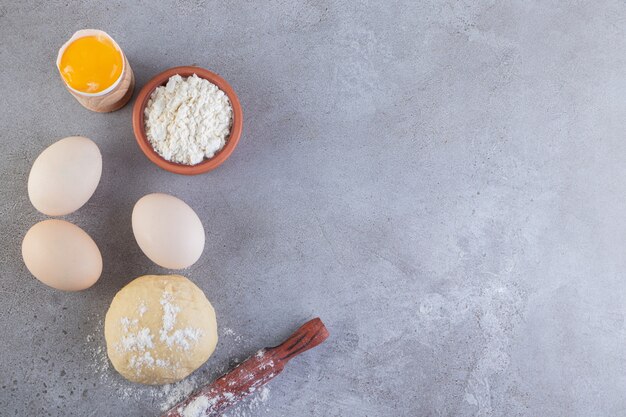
[[159, 329]]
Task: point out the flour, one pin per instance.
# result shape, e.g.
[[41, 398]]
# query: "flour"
[[251, 407], [172, 394], [139, 340], [188, 119], [141, 343], [247, 408], [166, 396], [196, 408], [144, 359], [228, 332], [136, 340], [181, 337]]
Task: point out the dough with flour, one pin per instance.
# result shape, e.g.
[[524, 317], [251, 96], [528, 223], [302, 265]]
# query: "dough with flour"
[[159, 329]]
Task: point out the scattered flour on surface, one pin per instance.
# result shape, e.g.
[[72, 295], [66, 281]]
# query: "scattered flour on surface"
[[175, 393], [97, 350], [162, 363], [232, 335], [181, 337], [143, 360], [142, 309], [196, 408], [252, 406], [264, 394], [248, 407], [138, 341], [166, 396]]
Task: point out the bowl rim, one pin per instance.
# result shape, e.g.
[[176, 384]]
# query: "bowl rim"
[[139, 120]]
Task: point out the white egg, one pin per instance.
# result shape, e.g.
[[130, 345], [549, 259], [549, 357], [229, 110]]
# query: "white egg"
[[62, 255], [168, 231], [65, 176]]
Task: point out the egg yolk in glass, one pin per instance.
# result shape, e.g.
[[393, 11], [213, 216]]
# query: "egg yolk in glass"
[[91, 64]]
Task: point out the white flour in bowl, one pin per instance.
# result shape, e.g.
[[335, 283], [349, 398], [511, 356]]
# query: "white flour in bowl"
[[188, 119]]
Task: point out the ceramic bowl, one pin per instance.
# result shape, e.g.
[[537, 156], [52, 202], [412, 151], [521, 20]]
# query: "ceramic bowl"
[[140, 130]]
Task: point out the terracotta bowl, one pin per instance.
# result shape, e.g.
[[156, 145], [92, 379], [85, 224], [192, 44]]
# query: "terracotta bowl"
[[139, 123]]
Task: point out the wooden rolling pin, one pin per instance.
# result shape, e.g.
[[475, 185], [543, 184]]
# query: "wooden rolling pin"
[[245, 379]]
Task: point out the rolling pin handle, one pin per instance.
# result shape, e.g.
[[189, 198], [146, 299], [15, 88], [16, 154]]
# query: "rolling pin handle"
[[309, 335]]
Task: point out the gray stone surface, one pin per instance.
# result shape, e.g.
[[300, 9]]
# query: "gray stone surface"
[[441, 182]]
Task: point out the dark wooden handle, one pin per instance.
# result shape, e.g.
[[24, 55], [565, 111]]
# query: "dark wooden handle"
[[254, 372], [309, 335]]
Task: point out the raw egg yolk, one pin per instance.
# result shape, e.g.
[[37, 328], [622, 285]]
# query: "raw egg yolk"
[[91, 64]]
